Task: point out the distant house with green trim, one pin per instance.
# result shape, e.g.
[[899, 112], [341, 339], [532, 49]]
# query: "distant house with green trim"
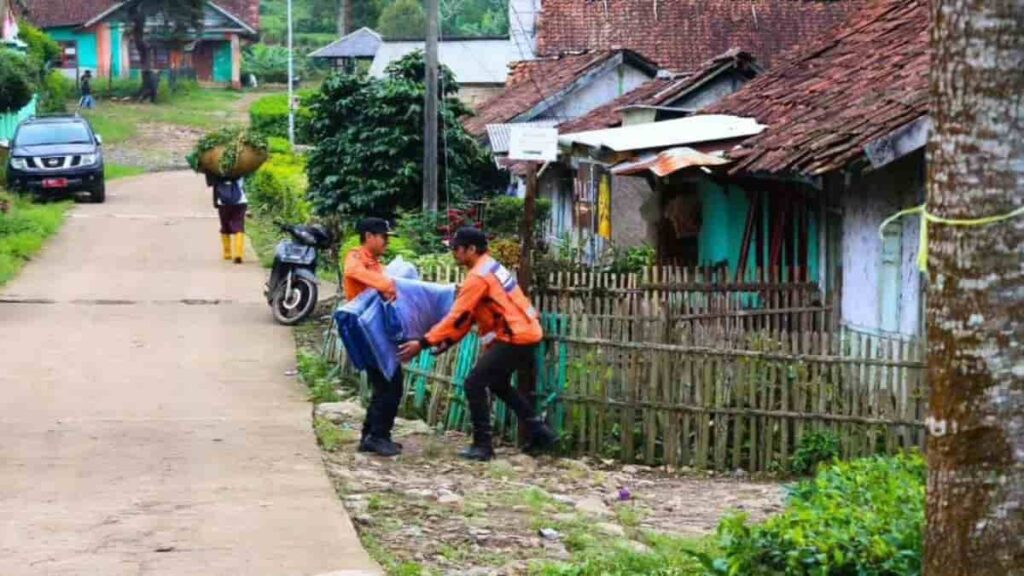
[[95, 36]]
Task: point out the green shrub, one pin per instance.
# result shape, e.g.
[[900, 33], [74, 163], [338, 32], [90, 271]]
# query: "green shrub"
[[420, 229], [278, 189], [505, 214], [859, 517], [815, 448], [633, 259], [42, 49], [57, 90], [270, 116], [270, 63], [16, 81], [279, 145]]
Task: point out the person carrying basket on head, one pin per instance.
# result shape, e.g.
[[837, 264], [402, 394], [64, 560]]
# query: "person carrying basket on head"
[[231, 204]]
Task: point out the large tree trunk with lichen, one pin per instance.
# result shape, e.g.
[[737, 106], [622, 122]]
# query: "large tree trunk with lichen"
[[976, 295]]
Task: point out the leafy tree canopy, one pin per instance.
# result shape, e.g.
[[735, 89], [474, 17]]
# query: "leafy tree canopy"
[[369, 154], [402, 19]]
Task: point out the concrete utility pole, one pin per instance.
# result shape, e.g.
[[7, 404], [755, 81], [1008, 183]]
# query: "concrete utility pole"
[[291, 80], [430, 112]]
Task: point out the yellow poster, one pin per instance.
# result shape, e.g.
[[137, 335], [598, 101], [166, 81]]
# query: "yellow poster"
[[604, 209]]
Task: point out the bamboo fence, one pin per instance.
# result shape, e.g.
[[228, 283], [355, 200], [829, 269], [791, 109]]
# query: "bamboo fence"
[[684, 368]]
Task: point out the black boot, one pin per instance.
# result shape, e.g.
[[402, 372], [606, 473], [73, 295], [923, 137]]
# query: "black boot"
[[380, 446], [482, 449], [541, 439], [478, 453]]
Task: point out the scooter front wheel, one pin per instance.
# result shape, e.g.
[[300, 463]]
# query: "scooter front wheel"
[[293, 306]]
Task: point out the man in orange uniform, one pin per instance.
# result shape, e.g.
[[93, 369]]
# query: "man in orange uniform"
[[363, 271], [509, 332]]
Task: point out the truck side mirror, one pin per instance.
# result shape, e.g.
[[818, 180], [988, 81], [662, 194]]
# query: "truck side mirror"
[[5, 144], [99, 140]]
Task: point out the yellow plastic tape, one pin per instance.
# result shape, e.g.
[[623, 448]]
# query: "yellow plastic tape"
[[929, 218]]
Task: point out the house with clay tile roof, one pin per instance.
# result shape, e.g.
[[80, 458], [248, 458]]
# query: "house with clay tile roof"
[[700, 50], [95, 36], [791, 176]]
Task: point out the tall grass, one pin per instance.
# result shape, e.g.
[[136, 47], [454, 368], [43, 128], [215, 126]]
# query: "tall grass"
[[23, 230]]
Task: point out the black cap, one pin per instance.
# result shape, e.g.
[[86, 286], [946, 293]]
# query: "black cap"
[[470, 237], [373, 226]]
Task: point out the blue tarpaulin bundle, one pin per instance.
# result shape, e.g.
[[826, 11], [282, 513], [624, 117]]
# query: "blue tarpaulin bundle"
[[371, 329]]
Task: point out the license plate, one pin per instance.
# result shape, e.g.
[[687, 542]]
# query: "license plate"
[[55, 183]]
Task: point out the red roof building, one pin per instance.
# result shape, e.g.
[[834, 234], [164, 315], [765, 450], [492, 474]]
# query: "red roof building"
[[827, 103], [536, 88], [681, 35]]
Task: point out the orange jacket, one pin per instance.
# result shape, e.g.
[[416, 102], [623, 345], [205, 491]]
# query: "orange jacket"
[[363, 271], [491, 297]]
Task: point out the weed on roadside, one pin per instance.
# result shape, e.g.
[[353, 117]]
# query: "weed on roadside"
[[23, 230], [316, 373], [330, 436]]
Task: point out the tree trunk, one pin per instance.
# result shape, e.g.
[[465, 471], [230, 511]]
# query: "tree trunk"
[[976, 294], [150, 82], [345, 23]]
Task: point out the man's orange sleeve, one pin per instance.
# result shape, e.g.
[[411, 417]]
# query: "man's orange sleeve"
[[459, 321], [357, 270]]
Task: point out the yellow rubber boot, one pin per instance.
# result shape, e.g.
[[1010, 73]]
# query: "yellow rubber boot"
[[225, 242], [239, 247]]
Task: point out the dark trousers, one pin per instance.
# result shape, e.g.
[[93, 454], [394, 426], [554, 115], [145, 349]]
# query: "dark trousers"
[[387, 396], [493, 372], [232, 218]]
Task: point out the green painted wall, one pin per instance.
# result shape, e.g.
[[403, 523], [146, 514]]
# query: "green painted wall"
[[222, 62], [116, 39], [724, 216], [87, 57]]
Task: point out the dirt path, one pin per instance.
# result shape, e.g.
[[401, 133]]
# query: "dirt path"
[[147, 424], [450, 517]]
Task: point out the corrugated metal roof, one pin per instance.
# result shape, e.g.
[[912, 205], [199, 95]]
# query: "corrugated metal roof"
[[668, 162], [500, 135], [362, 43], [679, 132], [483, 61]]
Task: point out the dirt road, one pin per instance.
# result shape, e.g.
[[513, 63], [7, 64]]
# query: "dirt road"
[[147, 424]]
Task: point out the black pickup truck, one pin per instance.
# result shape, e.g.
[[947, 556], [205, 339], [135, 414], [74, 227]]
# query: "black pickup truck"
[[56, 156]]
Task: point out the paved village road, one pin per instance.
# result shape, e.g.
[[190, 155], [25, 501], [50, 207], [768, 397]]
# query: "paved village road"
[[147, 424]]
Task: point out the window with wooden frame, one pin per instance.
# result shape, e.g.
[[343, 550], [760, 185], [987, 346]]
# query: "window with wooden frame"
[[68, 54]]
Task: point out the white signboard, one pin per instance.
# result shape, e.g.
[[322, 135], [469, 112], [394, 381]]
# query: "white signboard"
[[528, 143]]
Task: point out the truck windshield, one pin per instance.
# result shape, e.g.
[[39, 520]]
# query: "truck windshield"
[[44, 134]]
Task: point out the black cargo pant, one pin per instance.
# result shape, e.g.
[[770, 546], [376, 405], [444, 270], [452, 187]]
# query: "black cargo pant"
[[493, 372], [384, 403]]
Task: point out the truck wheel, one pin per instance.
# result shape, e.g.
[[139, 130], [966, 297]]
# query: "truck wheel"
[[98, 195]]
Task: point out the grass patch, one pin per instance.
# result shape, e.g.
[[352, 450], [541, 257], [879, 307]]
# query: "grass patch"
[[264, 237], [318, 375], [330, 436], [115, 171], [630, 516], [392, 565], [592, 556], [24, 230], [203, 108]]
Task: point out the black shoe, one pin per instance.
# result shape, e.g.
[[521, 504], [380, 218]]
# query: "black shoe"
[[379, 446], [541, 439], [477, 453], [362, 444]]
